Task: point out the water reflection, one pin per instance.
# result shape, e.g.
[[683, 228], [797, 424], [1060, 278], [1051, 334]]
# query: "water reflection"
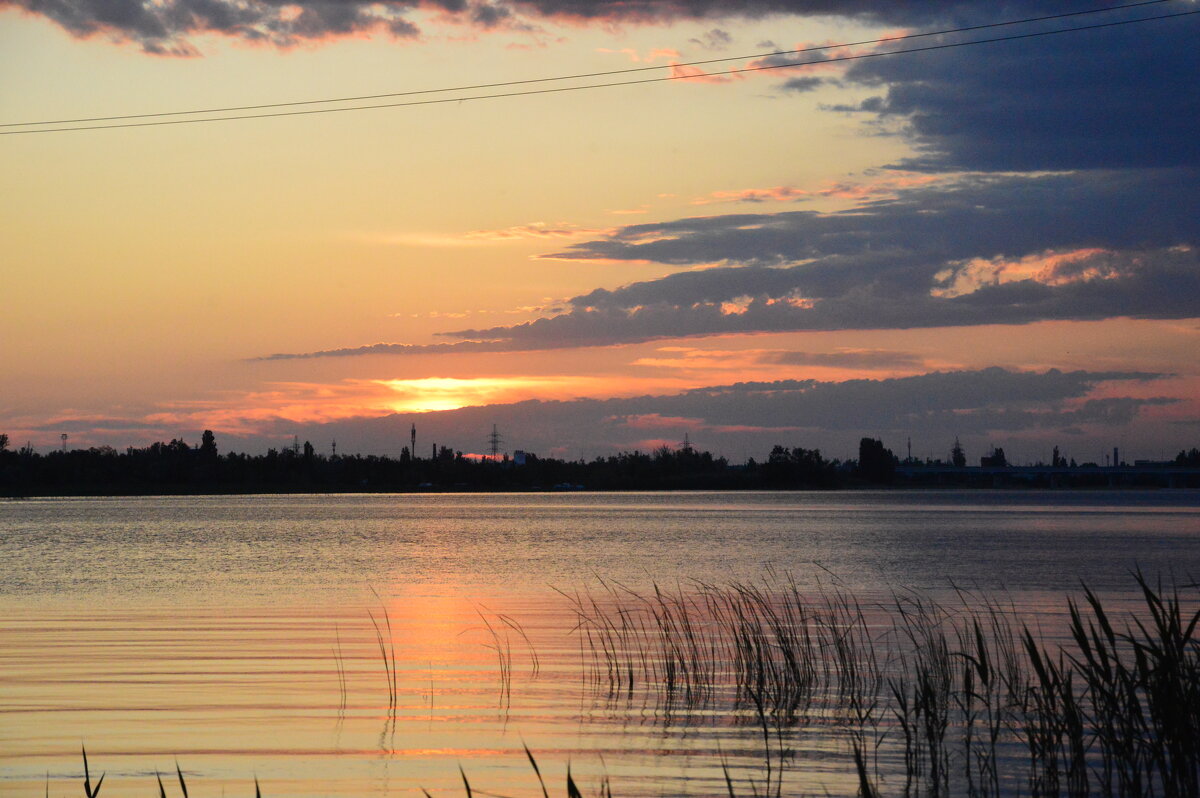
[[236, 634]]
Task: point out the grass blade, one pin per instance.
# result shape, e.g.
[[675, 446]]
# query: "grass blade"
[[572, 790], [537, 770], [182, 783]]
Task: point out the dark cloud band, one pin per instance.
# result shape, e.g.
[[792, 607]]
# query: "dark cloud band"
[[985, 250], [168, 26]]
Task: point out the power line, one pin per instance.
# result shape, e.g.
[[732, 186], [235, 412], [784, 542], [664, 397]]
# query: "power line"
[[560, 89], [581, 76]]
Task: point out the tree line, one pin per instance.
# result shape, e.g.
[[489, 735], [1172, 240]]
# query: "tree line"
[[179, 467]]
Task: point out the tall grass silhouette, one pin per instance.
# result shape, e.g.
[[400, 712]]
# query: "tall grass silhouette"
[[929, 699]]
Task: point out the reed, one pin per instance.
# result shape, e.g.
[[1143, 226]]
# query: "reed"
[[340, 662], [88, 789], [498, 628], [92, 791], [502, 645], [937, 700], [387, 653]]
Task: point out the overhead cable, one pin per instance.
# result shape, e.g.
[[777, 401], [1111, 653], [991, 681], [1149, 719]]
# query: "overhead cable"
[[560, 89]]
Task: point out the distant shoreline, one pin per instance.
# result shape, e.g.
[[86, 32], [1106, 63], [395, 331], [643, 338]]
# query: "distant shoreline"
[[1014, 487], [180, 469]]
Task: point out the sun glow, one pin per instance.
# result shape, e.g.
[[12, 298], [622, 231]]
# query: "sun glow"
[[450, 393]]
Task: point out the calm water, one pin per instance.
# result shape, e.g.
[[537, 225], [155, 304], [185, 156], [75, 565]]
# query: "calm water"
[[238, 635]]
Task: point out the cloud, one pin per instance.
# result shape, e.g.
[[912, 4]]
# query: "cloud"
[[772, 194], [694, 74], [715, 39], [846, 358], [650, 57], [534, 230], [983, 250], [87, 423], [999, 249], [645, 11], [985, 407], [826, 56], [696, 359], [656, 421], [751, 417], [489, 16], [393, 349], [877, 187], [1157, 284], [801, 85], [973, 216], [1103, 99], [167, 27]]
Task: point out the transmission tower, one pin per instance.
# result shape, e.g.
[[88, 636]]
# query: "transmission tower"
[[494, 441]]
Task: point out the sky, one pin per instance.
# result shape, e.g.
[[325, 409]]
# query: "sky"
[[996, 242]]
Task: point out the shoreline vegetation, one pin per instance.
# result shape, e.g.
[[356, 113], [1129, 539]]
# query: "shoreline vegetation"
[[179, 468], [921, 698], [924, 698]]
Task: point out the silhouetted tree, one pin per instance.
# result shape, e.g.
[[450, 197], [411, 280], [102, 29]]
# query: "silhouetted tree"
[[994, 460], [957, 456], [1191, 458], [208, 445], [875, 463]]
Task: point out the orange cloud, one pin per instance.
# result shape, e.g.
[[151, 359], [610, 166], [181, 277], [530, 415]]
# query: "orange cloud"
[[773, 194], [693, 74], [1049, 268], [650, 444], [821, 56], [650, 57], [536, 230], [875, 189], [881, 188]]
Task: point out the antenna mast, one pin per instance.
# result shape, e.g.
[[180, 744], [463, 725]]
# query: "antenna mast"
[[494, 441]]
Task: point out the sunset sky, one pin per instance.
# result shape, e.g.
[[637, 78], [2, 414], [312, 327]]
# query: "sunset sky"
[[999, 242]]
